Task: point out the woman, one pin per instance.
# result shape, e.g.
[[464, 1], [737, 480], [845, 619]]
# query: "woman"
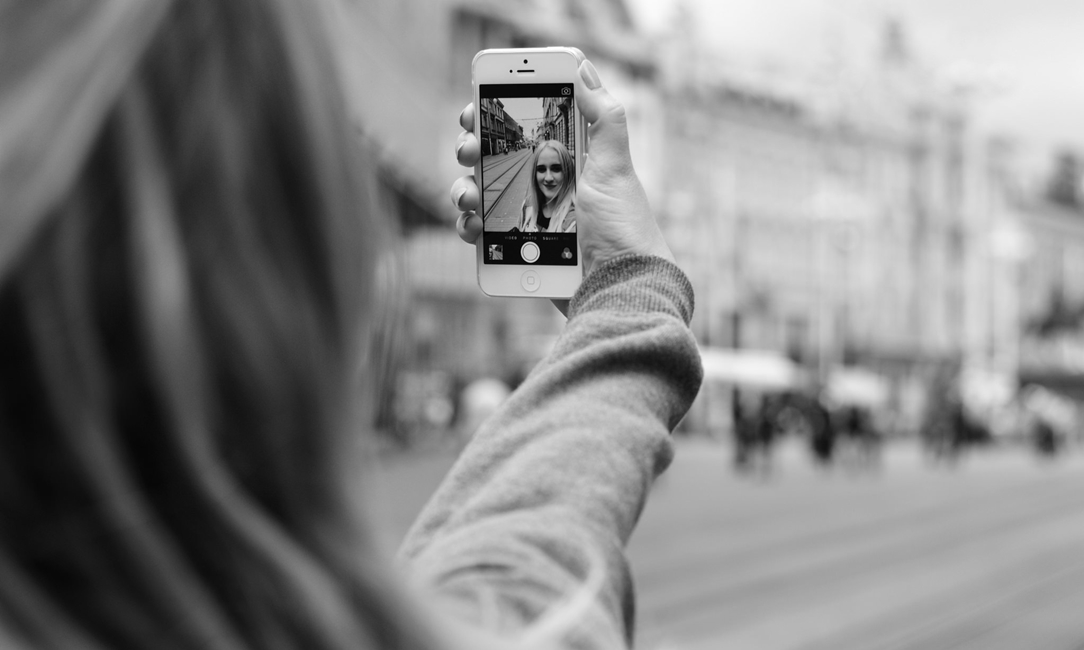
[[550, 202], [188, 254]]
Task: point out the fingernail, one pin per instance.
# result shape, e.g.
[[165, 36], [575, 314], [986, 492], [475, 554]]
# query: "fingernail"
[[589, 75], [458, 148], [458, 194]]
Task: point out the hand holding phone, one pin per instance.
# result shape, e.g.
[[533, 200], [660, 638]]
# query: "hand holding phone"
[[613, 216], [530, 135]]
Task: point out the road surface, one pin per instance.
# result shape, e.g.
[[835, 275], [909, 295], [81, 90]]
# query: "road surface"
[[506, 178], [988, 554]]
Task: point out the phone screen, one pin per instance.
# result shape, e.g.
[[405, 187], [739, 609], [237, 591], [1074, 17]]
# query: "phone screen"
[[528, 139]]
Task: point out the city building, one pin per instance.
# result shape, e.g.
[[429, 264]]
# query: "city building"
[[493, 138], [513, 132], [1050, 280], [843, 215], [558, 122]]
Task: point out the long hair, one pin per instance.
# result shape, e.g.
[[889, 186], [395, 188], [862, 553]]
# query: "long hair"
[[562, 203], [187, 243]]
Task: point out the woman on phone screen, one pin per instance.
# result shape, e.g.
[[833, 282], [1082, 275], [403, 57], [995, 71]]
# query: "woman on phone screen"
[[553, 187]]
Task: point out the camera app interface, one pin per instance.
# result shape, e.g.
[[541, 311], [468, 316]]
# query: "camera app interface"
[[528, 181]]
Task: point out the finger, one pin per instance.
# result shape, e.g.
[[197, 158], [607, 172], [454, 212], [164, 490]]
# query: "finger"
[[466, 118], [467, 149], [606, 115], [465, 193], [469, 227]]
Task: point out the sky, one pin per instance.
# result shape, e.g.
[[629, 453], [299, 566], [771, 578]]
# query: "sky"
[[1027, 55], [526, 111]]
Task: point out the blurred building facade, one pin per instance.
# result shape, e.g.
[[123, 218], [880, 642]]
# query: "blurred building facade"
[[850, 214], [1050, 348], [847, 214]]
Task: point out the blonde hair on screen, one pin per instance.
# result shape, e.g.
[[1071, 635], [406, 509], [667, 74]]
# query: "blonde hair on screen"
[[563, 201]]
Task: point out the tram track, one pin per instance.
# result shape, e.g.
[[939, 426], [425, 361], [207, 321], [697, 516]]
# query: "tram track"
[[515, 167]]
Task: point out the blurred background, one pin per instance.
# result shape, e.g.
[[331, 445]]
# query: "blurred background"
[[881, 207], [851, 208]]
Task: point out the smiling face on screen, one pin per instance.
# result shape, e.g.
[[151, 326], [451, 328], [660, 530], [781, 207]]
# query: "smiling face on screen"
[[549, 173]]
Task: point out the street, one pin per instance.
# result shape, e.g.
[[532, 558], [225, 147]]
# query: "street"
[[986, 554], [505, 188]]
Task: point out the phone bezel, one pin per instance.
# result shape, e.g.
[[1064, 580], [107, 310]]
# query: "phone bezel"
[[550, 65]]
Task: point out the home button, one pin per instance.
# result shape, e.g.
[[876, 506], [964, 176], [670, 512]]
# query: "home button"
[[530, 281]]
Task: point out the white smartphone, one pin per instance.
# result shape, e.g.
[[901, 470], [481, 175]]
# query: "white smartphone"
[[532, 137]]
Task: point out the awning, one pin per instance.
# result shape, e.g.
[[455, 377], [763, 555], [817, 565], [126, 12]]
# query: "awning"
[[760, 369], [856, 387]]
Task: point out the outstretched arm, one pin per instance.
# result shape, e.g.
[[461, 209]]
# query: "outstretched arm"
[[551, 487], [542, 501]]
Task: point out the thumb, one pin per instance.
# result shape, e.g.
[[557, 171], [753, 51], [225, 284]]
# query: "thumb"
[[606, 116]]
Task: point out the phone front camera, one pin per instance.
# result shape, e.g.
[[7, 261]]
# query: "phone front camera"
[[524, 61]]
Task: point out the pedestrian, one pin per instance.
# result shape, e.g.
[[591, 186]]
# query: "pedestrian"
[[741, 431], [822, 434], [754, 431], [856, 428], [188, 264], [766, 425]]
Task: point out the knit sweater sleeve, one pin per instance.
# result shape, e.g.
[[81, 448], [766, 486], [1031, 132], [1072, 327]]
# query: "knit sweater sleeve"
[[549, 489]]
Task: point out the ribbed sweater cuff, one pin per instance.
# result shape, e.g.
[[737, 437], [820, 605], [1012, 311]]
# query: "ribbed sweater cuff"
[[635, 283]]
